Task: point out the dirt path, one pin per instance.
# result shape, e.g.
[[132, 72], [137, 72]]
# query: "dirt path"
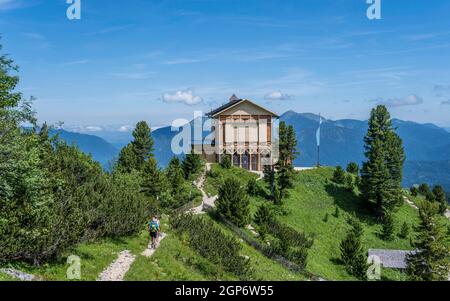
[[149, 251], [207, 201]]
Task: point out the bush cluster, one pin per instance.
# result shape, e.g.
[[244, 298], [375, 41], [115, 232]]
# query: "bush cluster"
[[210, 242]]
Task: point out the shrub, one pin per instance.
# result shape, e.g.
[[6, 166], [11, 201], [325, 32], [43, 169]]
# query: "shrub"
[[226, 162], [353, 168], [210, 242], [339, 175], [325, 218]]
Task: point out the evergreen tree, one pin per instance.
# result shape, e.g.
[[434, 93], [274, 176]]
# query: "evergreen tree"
[[440, 197], [287, 154], [153, 180], [353, 168], [142, 143], [414, 191], [349, 183], [387, 232], [339, 175], [191, 165], [175, 175], [252, 187], [352, 253], [233, 202], [424, 189], [127, 161], [381, 173], [431, 259], [226, 162], [277, 196], [263, 218], [404, 231]]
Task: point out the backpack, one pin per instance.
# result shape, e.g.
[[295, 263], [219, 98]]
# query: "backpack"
[[153, 227]]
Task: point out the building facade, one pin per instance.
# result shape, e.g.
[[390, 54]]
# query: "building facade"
[[242, 130]]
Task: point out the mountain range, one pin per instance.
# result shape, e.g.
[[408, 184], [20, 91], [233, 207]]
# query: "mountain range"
[[427, 146]]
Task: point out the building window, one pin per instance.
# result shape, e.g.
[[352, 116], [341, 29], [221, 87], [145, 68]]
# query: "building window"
[[236, 160]]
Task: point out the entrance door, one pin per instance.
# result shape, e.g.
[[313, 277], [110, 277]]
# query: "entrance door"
[[236, 160], [255, 162]]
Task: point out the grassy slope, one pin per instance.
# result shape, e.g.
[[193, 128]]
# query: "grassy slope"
[[174, 260], [312, 197]]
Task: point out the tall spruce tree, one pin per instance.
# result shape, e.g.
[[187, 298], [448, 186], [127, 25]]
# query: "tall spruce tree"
[[233, 202], [191, 164], [142, 143], [287, 155], [352, 253], [440, 198], [431, 261], [381, 173]]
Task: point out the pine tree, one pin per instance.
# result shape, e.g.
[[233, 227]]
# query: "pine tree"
[[424, 189], [252, 187], [233, 202], [353, 168], [388, 227], [440, 197], [431, 259], [153, 181], [353, 255], [404, 231], [127, 161], [339, 175], [414, 191], [349, 183], [191, 165], [287, 154], [277, 195], [142, 143], [381, 173], [175, 174]]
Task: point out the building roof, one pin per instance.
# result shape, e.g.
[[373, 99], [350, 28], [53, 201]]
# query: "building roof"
[[391, 258], [234, 100]]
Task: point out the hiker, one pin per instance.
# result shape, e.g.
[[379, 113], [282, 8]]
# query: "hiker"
[[153, 228]]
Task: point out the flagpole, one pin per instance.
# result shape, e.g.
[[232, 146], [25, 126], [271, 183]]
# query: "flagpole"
[[318, 142]]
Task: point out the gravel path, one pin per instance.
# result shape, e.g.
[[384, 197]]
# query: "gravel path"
[[18, 274], [149, 251], [117, 270]]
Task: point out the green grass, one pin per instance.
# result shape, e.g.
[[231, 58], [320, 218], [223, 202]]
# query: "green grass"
[[95, 257], [217, 174], [5, 277], [312, 197]]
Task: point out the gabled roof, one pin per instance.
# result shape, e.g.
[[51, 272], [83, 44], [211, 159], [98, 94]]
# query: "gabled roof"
[[234, 101], [391, 258]]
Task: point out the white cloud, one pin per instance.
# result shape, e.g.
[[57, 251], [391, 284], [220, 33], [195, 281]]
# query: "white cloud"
[[187, 97], [278, 95], [410, 100], [125, 128], [9, 4]]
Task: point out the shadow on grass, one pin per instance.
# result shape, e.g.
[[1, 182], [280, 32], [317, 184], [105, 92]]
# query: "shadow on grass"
[[350, 203]]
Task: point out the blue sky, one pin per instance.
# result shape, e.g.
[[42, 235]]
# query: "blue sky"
[[154, 60]]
